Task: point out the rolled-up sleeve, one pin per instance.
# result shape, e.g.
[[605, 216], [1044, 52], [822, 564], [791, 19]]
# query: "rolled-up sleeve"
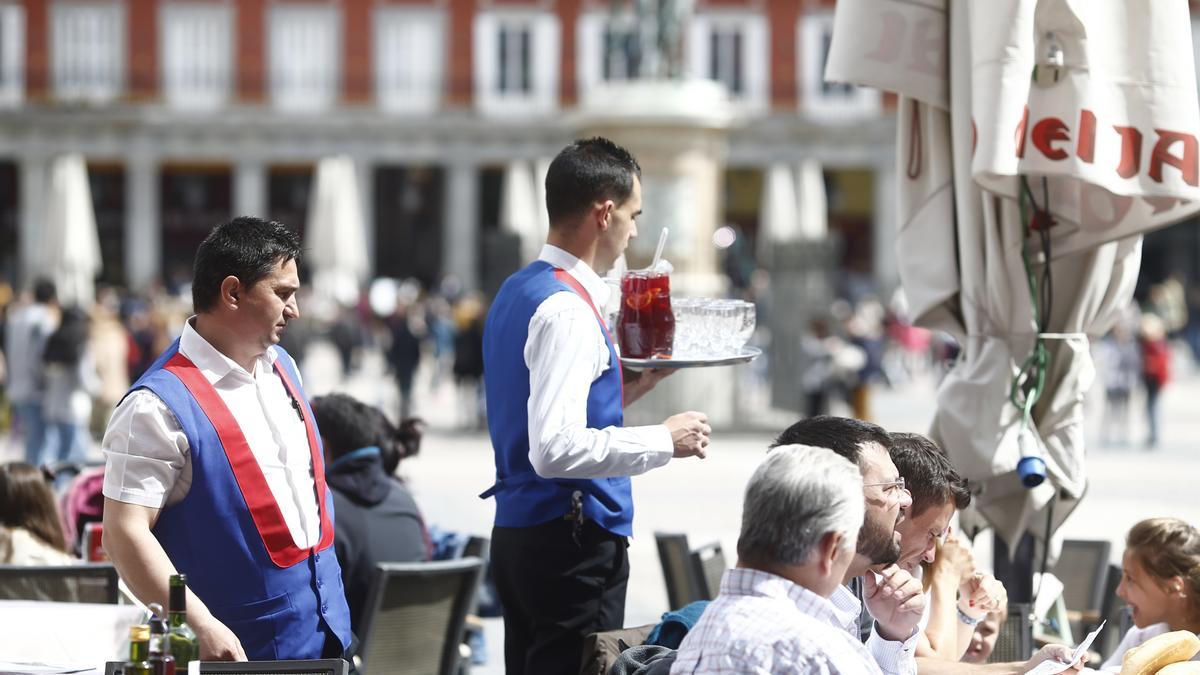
[[145, 453]]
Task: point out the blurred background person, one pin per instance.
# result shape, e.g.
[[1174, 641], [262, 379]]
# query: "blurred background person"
[[28, 328], [1119, 361], [109, 346], [404, 356], [30, 532], [70, 382], [1156, 370], [468, 361], [376, 517]]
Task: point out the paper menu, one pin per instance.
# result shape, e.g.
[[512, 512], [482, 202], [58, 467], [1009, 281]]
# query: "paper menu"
[[1052, 667]]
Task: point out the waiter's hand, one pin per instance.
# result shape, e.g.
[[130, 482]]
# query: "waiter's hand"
[[689, 433], [639, 383], [217, 642]]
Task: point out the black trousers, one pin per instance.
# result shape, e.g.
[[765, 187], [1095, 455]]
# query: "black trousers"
[[555, 592]]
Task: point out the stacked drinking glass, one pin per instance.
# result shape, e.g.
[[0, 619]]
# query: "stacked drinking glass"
[[711, 328]]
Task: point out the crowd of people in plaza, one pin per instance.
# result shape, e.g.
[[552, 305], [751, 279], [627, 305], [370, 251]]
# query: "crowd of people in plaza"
[[278, 506]]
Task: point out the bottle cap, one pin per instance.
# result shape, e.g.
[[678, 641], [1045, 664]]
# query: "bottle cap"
[[139, 633]]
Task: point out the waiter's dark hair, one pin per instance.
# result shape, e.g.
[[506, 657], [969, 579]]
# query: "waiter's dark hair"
[[247, 248], [928, 474], [587, 172], [843, 435]]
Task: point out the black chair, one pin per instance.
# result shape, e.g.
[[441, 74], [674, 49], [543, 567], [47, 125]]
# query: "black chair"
[[415, 615], [1015, 640], [683, 582], [708, 566], [90, 582], [312, 667], [1110, 611], [1083, 569]]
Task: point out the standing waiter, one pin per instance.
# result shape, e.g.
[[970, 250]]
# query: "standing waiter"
[[555, 394]]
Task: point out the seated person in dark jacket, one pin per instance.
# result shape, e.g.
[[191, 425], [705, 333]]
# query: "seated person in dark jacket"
[[375, 517]]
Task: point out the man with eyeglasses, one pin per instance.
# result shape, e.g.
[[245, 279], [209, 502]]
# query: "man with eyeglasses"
[[892, 596], [958, 596]]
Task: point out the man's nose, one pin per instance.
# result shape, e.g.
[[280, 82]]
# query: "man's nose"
[[930, 554], [292, 309], [905, 499]]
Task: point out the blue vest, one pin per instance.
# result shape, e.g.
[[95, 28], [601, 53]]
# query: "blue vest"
[[523, 498], [228, 534]]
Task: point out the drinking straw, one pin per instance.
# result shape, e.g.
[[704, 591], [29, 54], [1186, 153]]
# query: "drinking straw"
[[662, 243]]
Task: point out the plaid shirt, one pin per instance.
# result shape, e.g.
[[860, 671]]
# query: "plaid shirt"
[[761, 623]]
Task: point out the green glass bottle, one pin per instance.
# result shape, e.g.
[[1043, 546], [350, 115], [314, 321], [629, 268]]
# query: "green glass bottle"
[[184, 646], [139, 652]]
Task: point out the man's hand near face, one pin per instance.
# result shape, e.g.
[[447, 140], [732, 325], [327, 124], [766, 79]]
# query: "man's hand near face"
[[896, 600]]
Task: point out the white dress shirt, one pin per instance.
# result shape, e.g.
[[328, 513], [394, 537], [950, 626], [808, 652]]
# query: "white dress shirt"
[[147, 455], [763, 623], [565, 353]]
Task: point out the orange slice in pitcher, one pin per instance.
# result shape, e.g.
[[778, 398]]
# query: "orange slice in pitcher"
[[640, 300]]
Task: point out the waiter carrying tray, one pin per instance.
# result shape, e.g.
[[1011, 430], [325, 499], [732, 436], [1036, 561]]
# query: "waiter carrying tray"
[[556, 394], [214, 466]]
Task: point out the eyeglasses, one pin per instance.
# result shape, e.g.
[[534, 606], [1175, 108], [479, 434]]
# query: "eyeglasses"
[[888, 486]]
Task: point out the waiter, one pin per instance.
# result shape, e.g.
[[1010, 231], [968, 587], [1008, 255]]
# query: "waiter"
[[214, 466], [555, 395]]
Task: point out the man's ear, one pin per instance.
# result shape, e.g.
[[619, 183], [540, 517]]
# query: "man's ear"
[[827, 551], [231, 290], [604, 213]]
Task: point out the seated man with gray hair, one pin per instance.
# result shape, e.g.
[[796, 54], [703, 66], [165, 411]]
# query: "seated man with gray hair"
[[800, 521]]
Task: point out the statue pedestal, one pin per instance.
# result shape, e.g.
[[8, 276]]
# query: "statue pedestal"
[[678, 130]]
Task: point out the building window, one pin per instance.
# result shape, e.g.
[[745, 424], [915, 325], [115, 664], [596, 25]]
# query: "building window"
[[304, 57], [87, 47], [608, 48], [819, 97], [409, 55], [12, 54], [516, 61], [197, 54], [515, 76], [731, 48]]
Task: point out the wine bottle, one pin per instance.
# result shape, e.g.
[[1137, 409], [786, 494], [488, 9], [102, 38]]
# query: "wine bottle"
[[161, 661], [139, 651], [184, 646]]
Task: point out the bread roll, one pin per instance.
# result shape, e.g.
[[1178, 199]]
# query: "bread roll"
[[1160, 652], [1181, 668]]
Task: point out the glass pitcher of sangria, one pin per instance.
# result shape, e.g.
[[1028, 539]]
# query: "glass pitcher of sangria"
[[646, 325]]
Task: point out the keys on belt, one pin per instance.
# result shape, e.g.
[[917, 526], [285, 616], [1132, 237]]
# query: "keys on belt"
[[575, 515]]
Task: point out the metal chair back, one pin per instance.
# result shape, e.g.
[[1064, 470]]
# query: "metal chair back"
[[1015, 641], [416, 614], [90, 582], [708, 565]]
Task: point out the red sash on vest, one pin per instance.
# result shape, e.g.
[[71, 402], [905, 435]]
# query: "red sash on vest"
[[565, 277], [268, 519]]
